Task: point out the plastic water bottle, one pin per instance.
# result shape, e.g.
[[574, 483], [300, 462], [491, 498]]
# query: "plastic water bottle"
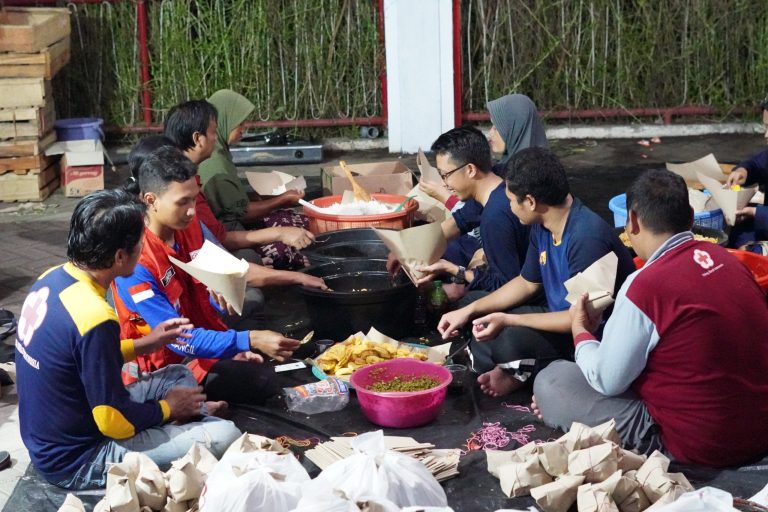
[[324, 396]]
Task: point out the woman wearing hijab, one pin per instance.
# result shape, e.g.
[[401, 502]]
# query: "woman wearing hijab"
[[515, 126], [227, 195]]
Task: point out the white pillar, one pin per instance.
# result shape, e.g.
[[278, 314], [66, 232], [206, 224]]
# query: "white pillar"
[[419, 49]]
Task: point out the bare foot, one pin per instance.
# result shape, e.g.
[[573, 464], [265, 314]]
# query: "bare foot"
[[217, 409], [497, 382], [307, 263], [535, 408]]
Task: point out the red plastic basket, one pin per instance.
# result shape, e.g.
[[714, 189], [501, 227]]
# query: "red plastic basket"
[[322, 222], [757, 264]]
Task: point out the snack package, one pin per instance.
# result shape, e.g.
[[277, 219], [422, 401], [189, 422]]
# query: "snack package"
[[324, 396]]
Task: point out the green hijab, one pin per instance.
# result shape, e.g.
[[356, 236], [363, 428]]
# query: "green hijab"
[[233, 109]]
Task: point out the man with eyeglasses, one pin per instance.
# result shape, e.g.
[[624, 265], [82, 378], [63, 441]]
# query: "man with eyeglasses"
[[463, 159], [751, 227]]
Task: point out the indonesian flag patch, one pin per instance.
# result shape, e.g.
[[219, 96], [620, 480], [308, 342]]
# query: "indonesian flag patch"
[[140, 292]]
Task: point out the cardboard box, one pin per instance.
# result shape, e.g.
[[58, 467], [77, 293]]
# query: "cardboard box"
[[78, 152], [25, 29], [81, 180], [392, 177]]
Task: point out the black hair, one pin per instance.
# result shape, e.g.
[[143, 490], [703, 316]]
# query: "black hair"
[[764, 104], [465, 144], [537, 172], [103, 222], [659, 198], [161, 167], [137, 155], [185, 119]]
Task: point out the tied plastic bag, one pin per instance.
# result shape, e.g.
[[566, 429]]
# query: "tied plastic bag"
[[324, 396], [706, 499], [260, 481], [337, 501], [375, 471]]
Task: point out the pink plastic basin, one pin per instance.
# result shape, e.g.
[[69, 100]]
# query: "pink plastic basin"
[[400, 409]]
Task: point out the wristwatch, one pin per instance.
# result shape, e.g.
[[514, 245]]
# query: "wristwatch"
[[460, 277]]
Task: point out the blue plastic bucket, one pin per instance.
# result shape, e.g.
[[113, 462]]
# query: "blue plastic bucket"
[[709, 219], [79, 128]]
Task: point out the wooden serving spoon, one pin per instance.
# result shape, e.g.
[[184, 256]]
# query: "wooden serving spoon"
[[360, 193]]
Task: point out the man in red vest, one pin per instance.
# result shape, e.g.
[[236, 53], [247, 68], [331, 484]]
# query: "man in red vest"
[[225, 361], [683, 361]]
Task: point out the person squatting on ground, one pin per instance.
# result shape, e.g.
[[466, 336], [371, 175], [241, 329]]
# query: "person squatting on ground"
[[69, 355]]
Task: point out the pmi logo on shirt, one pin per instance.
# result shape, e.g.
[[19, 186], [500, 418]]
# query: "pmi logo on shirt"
[[703, 259], [543, 258]]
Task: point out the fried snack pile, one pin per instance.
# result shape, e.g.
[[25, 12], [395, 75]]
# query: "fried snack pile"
[[699, 238], [355, 352]]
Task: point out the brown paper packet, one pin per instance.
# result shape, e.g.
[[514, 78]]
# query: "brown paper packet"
[[609, 484], [498, 458], [149, 481], [553, 457], [251, 442], [102, 505], [630, 461], [629, 495], [72, 504], [596, 463], [589, 499], [653, 476], [175, 506], [184, 481], [517, 478], [672, 495], [121, 491], [576, 438], [557, 496], [605, 432]]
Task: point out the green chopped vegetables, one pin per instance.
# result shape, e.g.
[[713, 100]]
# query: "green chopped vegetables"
[[404, 383]]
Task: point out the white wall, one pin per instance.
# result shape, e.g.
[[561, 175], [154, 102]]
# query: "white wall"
[[419, 49]]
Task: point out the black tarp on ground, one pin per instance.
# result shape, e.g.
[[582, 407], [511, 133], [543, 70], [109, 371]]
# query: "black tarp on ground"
[[473, 490]]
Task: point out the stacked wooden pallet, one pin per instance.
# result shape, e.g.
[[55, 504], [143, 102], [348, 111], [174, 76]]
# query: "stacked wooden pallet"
[[34, 46]]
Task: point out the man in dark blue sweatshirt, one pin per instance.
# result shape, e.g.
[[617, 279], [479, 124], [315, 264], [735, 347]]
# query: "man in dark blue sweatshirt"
[[463, 159]]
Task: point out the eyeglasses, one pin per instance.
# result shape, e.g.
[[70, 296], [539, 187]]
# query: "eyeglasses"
[[448, 174]]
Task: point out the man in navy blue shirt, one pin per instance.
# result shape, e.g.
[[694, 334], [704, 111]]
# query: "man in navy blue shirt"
[[566, 238], [463, 159]]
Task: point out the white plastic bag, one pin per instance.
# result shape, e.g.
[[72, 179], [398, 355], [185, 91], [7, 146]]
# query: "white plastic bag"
[[706, 499], [375, 471], [338, 502], [254, 482]]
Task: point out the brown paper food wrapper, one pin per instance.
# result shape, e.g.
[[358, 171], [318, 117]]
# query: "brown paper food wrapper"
[[185, 481], [589, 499], [175, 506], [517, 478], [121, 491], [655, 480], [629, 495], [71, 504], [102, 505], [149, 481], [498, 458], [605, 432], [630, 461], [251, 443], [557, 496], [609, 484], [553, 457], [596, 463], [672, 495]]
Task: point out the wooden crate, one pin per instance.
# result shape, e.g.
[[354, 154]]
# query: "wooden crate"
[[29, 187], [27, 122], [30, 29], [31, 65], [26, 147], [26, 164], [24, 92]]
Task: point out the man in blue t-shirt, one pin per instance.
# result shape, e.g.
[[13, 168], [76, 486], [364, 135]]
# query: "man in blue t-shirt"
[[463, 159], [566, 238]]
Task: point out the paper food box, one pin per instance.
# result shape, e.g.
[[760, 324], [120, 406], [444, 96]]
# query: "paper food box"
[[392, 177], [82, 166]]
